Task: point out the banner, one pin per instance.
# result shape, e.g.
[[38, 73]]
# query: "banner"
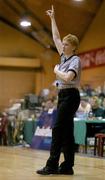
[[43, 133], [93, 58]]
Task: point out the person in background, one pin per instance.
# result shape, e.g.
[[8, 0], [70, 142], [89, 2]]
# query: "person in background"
[[3, 128], [68, 79], [96, 113], [103, 104], [84, 109], [103, 107], [96, 109]]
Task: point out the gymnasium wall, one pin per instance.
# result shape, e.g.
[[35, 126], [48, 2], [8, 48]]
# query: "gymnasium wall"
[[94, 38], [20, 71], [15, 81]]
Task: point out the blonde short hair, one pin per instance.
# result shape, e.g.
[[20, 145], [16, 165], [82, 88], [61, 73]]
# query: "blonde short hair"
[[73, 40], [96, 99]]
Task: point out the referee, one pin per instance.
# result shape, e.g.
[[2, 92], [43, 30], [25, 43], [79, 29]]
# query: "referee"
[[68, 79]]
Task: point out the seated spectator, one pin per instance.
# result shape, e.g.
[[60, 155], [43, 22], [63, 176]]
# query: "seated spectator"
[[84, 106], [48, 113], [49, 105], [103, 103], [97, 113], [96, 108], [84, 109]]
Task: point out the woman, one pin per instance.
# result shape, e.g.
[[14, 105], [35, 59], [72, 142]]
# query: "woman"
[[68, 75]]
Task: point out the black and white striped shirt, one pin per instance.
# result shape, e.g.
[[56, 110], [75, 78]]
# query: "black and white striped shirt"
[[71, 64]]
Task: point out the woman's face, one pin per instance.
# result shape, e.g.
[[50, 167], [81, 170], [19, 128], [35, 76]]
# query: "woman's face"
[[67, 47], [94, 103]]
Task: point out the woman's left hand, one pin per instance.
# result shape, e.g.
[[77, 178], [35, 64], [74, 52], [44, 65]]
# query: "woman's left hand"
[[56, 68]]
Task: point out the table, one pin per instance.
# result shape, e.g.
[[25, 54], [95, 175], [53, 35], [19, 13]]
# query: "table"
[[84, 129], [81, 130], [29, 130]]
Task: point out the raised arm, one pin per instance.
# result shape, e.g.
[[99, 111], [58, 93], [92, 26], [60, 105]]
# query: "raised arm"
[[55, 32]]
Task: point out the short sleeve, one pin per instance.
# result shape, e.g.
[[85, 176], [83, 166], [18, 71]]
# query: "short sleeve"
[[74, 65]]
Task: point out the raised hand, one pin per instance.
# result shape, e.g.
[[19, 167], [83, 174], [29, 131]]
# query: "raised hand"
[[50, 12]]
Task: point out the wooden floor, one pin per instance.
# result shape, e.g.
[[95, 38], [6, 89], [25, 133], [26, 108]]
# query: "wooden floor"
[[17, 163]]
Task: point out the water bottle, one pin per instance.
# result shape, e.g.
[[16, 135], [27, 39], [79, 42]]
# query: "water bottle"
[[90, 115]]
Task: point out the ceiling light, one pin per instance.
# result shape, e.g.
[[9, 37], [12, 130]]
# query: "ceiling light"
[[25, 23], [78, 0]]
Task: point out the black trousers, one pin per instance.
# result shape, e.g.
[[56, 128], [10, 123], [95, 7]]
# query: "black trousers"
[[63, 130]]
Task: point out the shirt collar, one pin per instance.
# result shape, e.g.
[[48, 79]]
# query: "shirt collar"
[[68, 58]]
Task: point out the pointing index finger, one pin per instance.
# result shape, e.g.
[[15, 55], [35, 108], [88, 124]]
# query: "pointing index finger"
[[52, 7]]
